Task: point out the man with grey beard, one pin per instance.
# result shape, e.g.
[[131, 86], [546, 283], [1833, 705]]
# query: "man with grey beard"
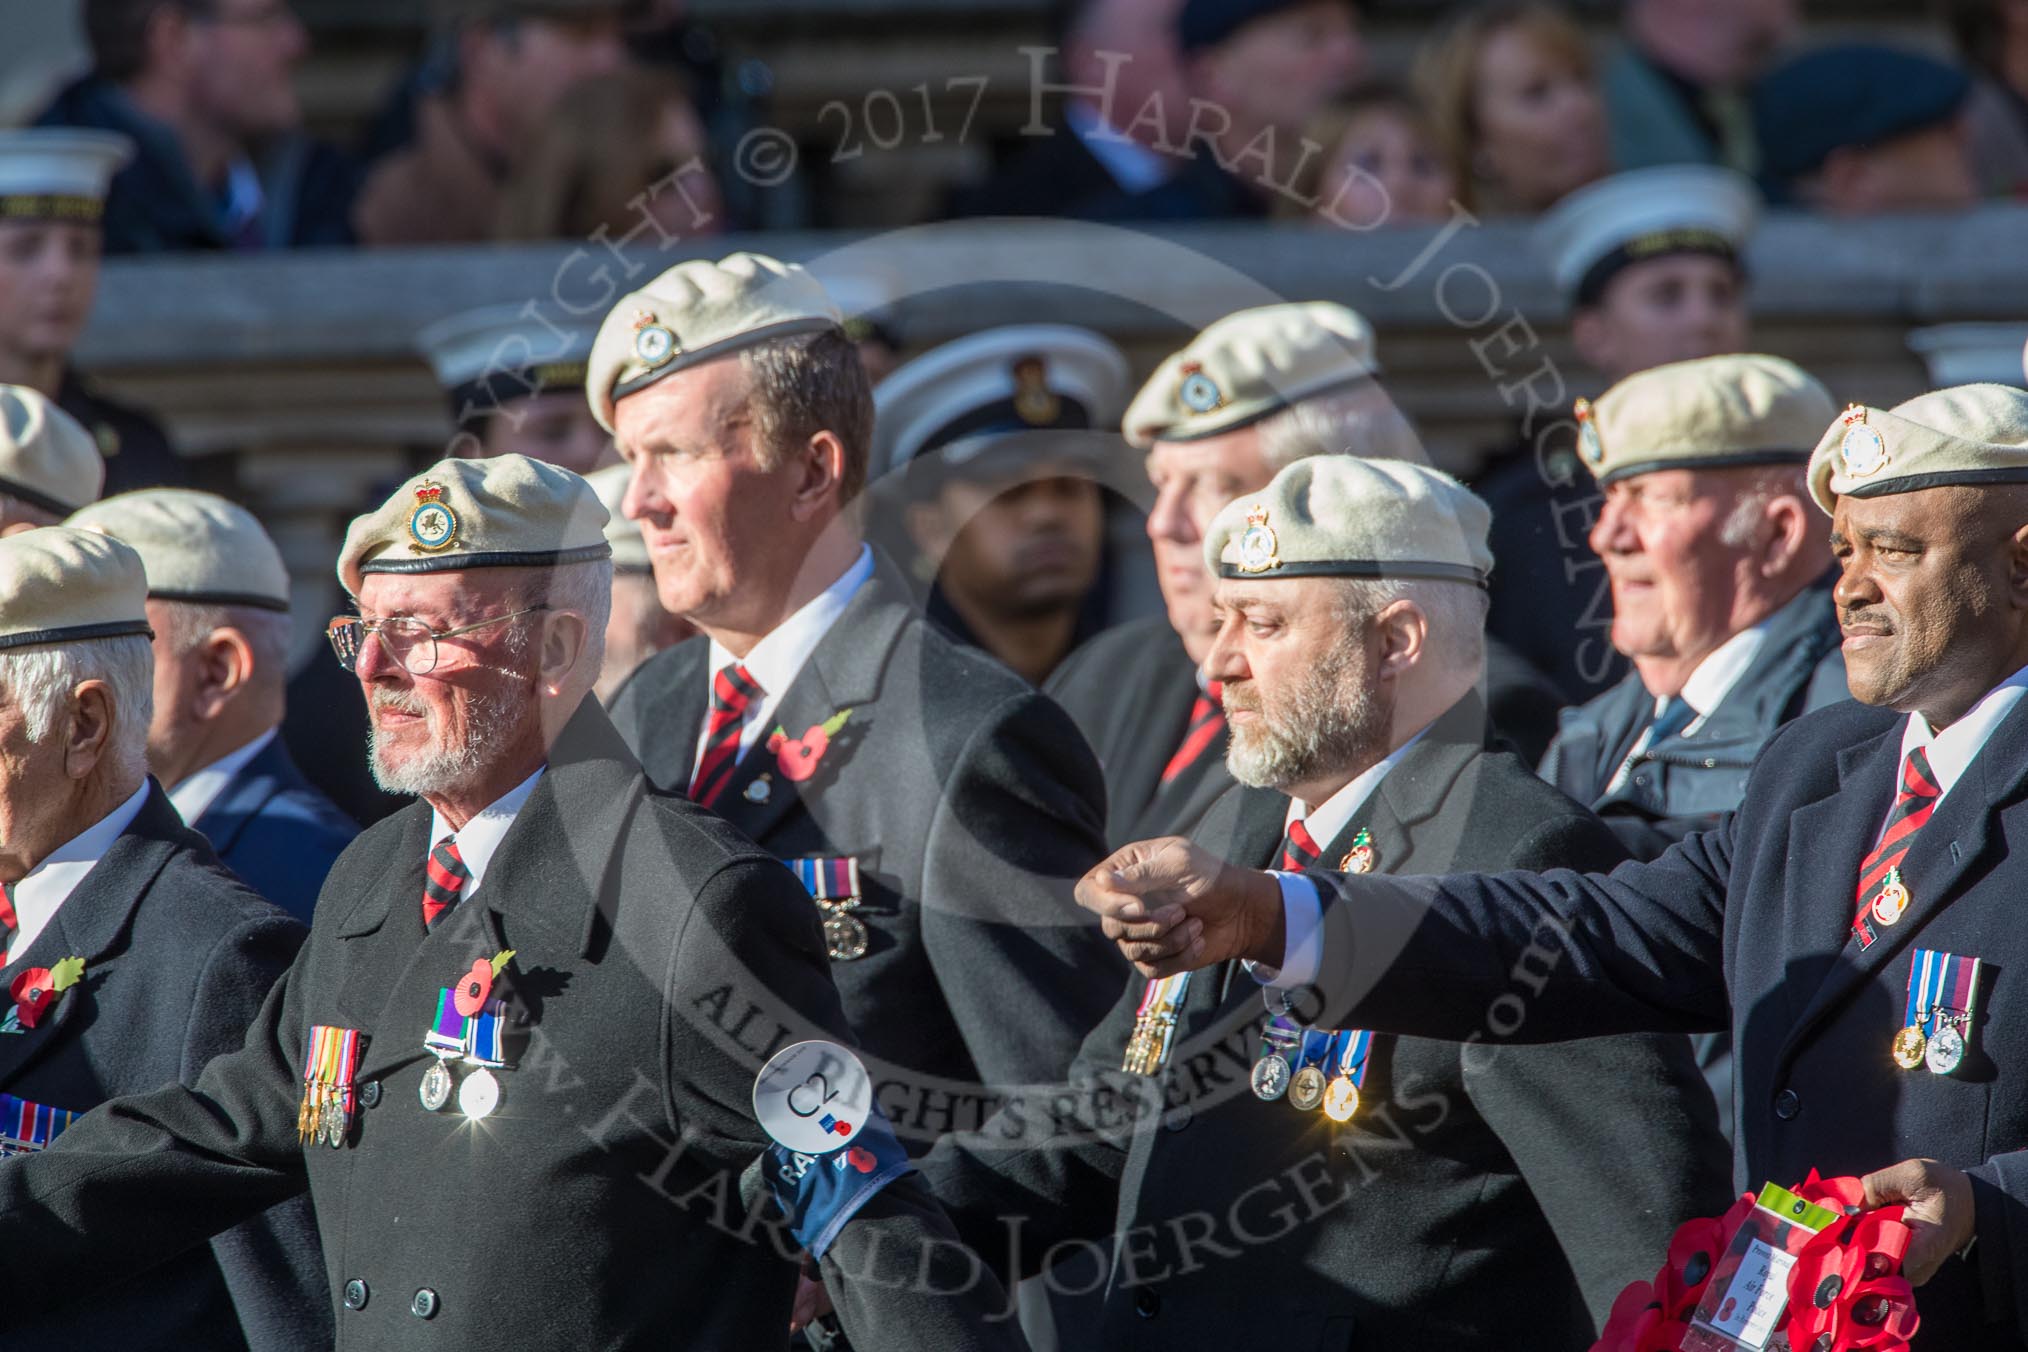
[[1389, 1192]]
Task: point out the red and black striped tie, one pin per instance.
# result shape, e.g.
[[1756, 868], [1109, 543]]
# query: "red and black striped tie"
[[1299, 849], [1912, 807], [732, 691], [444, 878], [1207, 725]]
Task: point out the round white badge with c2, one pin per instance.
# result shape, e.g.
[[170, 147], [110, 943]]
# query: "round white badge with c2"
[[813, 1097]]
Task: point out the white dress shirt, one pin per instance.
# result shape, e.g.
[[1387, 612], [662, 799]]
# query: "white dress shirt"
[[49, 884], [1132, 165], [1708, 685], [481, 836], [1324, 822], [1952, 751], [198, 791], [778, 659]]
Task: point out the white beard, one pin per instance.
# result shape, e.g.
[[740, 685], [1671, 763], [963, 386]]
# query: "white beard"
[[495, 718], [1329, 721]]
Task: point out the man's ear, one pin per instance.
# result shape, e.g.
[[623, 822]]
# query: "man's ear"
[[1792, 529], [87, 729], [1401, 636], [564, 639], [821, 481], [225, 664]]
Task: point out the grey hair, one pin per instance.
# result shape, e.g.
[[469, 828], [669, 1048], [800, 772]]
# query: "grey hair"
[[40, 681], [1358, 421], [1742, 524], [267, 632], [1456, 612], [803, 385], [586, 588]]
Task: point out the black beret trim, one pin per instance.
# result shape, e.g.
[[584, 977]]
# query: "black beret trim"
[[77, 633], [1953, 478], [221, 598], [497, 558], [1433, 572], [788, 328], [1652, 245], [35, 497], [1177, 433], [1001, 418], [473, 401], [1731, 460]]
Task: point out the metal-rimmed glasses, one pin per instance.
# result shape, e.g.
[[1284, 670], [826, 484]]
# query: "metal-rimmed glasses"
[[406, 639]]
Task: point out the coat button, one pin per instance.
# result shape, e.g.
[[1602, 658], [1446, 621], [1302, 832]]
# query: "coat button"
[[1148, 1303], [424, 1306], [355, 1294], [1178, 1117], [369, 1093], [1787, 1104]]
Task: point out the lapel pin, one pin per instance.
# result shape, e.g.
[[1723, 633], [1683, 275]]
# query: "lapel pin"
[[758, 791]]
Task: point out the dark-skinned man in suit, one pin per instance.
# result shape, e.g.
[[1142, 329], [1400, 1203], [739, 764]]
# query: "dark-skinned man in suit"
[[1868, 859], [1443, 1184]]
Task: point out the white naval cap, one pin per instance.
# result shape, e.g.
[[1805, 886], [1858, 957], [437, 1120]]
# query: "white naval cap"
[[1642, 214], [59, 173]]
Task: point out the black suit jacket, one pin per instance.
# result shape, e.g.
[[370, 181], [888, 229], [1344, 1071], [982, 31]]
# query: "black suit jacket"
[[658, 960], [1131, 689], [178, 959], [1747, 927], [972, 806], [276, 831], [1053, 175], [1465, 1191]]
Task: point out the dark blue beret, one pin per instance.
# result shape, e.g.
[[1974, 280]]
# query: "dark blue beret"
[[1851, 94], [1206, 23]]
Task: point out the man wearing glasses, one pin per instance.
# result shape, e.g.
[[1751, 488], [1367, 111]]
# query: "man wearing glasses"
[[206, 90], [498, 1067]]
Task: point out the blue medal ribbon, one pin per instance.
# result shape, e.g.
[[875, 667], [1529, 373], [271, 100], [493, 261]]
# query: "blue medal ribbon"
[[26, 1127], [1349, 1049]]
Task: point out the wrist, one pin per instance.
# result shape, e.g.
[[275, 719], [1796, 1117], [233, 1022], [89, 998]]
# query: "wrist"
[[1267, 919]]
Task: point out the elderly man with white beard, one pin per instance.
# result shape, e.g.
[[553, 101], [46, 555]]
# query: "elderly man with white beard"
[[498, 1066], [1422, 1193]]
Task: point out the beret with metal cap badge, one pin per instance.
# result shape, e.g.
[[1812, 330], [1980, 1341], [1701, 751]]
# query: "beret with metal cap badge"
[[1344, 516], [505, 512], [1249, 365], [697, 311], [196, 547], [47, 458], [1967, 435], [1710, 413], [60, 585]]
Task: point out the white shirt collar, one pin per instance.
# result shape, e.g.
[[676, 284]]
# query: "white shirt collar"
[[1132, 165], [778, 659], [49, 884], [1329, 817], [1715, 676], [197, 791], [482, 834], [1952, 751]]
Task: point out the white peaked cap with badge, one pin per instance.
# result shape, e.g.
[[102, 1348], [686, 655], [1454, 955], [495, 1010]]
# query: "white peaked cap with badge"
[[1023, 377], [47, 458], [1967, 435], [1646, 213], [505, 512], [1249, 365], [60, 585], [58, 173], [630, 547], [1709, 413], [505, 340], [1344, 516], [698, 311], [196, 547]]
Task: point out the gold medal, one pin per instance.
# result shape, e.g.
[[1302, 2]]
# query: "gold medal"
[[1909, 1047], [1341, 1099], [1306, 1090]]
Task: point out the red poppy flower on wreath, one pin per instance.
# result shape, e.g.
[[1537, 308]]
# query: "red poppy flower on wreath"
[[1846, 1291], [799, 758]]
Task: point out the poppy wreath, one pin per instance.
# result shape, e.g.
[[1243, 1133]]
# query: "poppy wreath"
[[1846, 1291]]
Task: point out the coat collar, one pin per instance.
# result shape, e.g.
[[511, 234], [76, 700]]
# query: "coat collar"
[[271, 772], [95, 919], [1960, 836]]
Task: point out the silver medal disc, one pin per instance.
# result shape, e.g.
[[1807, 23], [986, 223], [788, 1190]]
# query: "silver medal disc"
[[334, 1128], [844, 936], [1271, 1077], [1946, 1052], [479, 1095], [436, 1087]]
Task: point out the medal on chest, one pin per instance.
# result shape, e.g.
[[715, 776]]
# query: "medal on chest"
[[1943, 992], [834, 885], [27, 1127], [1155, 1024], [468, 1030], [330, 1066]]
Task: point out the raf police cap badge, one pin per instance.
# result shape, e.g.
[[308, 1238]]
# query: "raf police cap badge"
[[1199, 393], [433, 526], [654, 344], [1259, 551], [1863, 451], [1588, 444]]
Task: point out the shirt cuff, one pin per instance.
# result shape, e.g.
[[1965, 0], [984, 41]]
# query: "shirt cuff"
[[1303, 918]]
